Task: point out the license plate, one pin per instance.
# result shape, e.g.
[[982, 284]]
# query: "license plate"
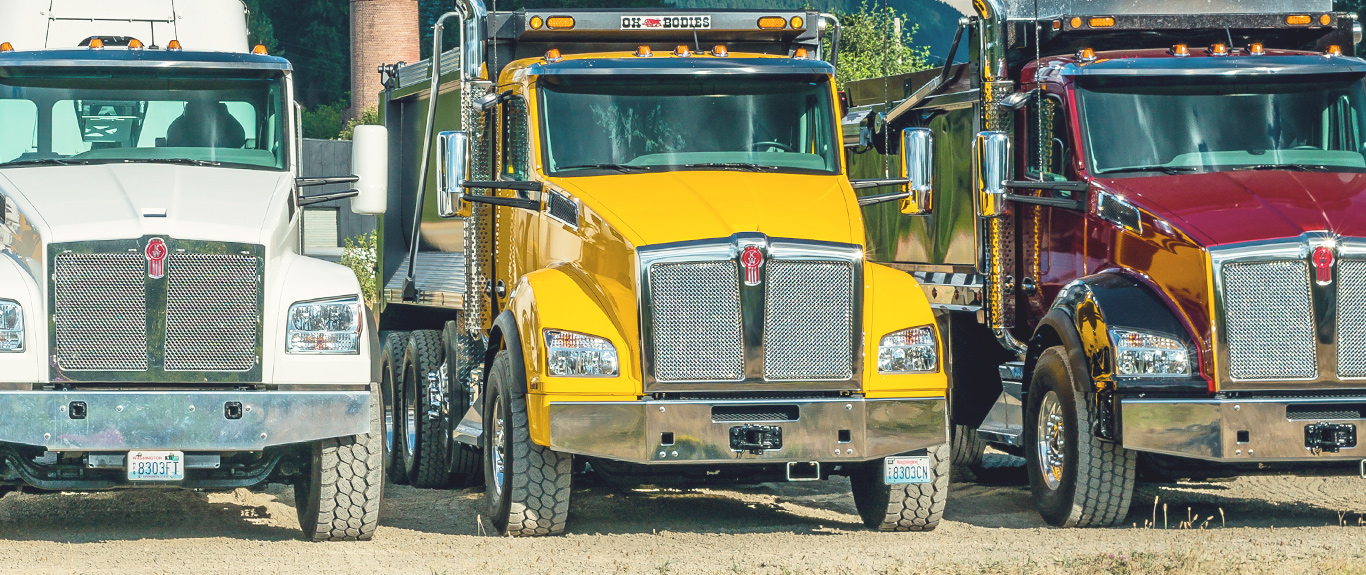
[[666, 22], [156, 466], [898, 470]]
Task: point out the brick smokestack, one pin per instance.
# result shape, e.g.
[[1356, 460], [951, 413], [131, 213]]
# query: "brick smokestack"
[[382, 32]]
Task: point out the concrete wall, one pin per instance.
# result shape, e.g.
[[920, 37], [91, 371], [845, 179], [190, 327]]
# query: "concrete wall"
[[330, 158]]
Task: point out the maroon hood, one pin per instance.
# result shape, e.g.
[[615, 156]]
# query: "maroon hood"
[[1231, 207]]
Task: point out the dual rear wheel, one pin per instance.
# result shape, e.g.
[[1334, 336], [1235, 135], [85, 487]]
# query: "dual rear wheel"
[[426, 400]]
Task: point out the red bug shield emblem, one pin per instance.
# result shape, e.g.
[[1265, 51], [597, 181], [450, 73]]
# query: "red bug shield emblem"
[[751, 259], [156, 258], [1323, 265]]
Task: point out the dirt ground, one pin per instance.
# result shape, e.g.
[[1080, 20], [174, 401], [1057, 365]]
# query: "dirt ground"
[[1252, 525]]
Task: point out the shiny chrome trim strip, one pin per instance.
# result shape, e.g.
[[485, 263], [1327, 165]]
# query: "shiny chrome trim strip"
[[1208, 428]]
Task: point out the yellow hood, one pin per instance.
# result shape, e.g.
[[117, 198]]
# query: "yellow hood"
[[667, 207]]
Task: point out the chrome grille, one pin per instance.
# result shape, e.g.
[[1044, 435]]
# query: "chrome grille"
[[100, 312], [212, 312], [809, 321], [1351, 282], [697, 324], [1269, 321]]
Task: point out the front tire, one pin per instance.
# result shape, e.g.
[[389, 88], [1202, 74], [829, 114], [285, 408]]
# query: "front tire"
[[338, 497], [527, 485], [427, 441], [902, 507], [1076, 479]]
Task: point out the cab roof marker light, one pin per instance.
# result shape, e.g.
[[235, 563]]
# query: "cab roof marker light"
[[1325, 20], [260, 50], [1219, 50], [96, 44], [682, 51], [800, 54], [1075, 22], [536, 22], [135, 44], [1057, 24], [1298, 20], [1334, 51], [1086, 55], [1257, 49], [6, 47], [644, 52], [553, 55], [773, 23], [560, 22], [1102, 22], [173, 45], [1181, 50], [720, 51]]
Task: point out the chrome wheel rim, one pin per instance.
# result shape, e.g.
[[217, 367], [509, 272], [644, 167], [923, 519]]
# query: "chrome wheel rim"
[[389, 428], [497, 448], [409, 420], [1051, 441]]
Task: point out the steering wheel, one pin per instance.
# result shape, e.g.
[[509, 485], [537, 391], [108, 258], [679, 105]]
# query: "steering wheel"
[[781, 146]]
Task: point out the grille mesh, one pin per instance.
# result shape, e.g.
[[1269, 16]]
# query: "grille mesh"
[[1269, 321], [696, 308], [808, 321], [100, 319], [211, 312], [1352, 318]]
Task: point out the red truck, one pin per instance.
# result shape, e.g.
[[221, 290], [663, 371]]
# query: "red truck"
[[1142, 226]]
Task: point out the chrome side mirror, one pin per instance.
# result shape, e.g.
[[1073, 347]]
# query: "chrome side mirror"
[[991, 168], [452, 165], [370, 164], [917, 165]]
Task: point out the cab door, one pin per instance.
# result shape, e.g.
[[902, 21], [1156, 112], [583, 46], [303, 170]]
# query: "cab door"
[[516, 230], [1051, 238]]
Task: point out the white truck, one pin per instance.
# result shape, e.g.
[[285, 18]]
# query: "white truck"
[[158, 325]]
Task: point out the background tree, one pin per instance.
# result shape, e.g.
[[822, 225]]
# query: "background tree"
[[877, 42]]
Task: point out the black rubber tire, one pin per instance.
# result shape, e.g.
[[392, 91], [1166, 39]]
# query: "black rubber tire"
[[1097, 478], [533, 497], [427, 465], [966, 450], [391, 358], [338, 496], [905, 507], [464, 364]]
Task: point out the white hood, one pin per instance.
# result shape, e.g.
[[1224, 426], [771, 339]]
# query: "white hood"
[[123, 201]]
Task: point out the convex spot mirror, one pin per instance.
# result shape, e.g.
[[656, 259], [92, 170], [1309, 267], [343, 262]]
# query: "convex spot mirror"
[[370, 163], [991, 168], [453, 161], [917, 165]]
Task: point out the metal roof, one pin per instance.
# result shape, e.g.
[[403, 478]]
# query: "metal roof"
[[1219, 66], [85, 57]]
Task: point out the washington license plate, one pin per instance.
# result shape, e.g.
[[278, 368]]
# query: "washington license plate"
[[900, 470], [156, 466]]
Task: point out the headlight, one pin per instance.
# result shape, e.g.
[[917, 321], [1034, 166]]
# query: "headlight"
[[570, 354], [908, 351], [11, 326], [1140, 353], [324, 326]]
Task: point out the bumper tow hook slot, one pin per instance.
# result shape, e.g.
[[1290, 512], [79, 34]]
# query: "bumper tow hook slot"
[[803, 471], [756, 438]]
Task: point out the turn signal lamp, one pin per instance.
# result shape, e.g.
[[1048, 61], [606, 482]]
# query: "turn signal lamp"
[[1086, 55], [1218, 50], [135, 44], [1257, 49], [1103, 22], [644, 52], [1325, 20], [1298, 20], [800, 54], [1181, 50], [773, 23], [1076, 22], [682, 51], [6, 47], [260, 50], [797, 22], [720, 51], [173, 45], [560, 22], [1057, 24], [1335, 50], [553, 55], [537, 22], [96, 44]]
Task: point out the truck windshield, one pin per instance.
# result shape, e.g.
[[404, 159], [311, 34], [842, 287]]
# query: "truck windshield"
[[63, 118], [1139, 127], [593, 125]]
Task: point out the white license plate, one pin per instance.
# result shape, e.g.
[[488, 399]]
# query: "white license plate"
[[156, 466], [898, 470], [666, 22]]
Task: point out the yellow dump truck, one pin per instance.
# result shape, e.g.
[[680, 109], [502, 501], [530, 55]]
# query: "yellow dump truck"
[[624, 243]]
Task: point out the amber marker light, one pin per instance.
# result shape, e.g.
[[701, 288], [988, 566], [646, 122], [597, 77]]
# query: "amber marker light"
[[797, 22], [96, 44], [1334, 50], [173, 45], [1057, 24], [1257, 49], [720, 51], [1076, 22], [1181, 50], [560, 22], [1325, 20], [1086, 55], [135, 44], [6, 47], [1103, 22], [1298, 20], [644, 52], [682, 51], [773, 23], [260, 50], [553, 55], [1218, 50], [537, 22], [800, 54]]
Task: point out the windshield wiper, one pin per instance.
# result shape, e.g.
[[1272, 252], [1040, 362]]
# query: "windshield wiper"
[[1286, 167], [733, 166], [44, 162], [181, 161], [623, 168], [1172, 170]]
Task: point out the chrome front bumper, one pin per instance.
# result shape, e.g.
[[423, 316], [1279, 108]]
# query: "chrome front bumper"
[[828, 430], [1210, 429], [179, 420]]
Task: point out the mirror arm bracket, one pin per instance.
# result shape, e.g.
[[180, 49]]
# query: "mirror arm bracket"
[[508, 185], [533, 205], [305, 201], [882, 199], [865, 184], [325, 181], [1056, 186], [1074, 205]]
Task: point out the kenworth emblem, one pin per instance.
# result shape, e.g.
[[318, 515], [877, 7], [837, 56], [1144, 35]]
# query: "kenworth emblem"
[[156, 258], [1323, 265], [751, 259]]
